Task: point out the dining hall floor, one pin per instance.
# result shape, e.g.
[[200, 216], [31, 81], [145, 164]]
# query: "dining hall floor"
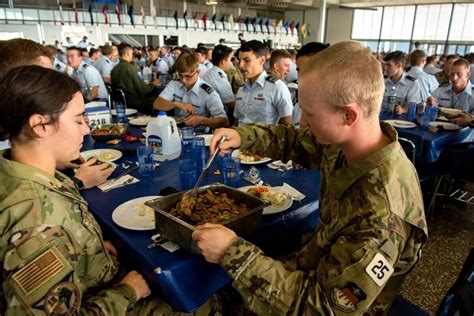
[[450, 238]]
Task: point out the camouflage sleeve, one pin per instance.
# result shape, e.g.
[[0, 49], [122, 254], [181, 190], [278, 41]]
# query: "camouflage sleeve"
[[282, 142], [45, 272], [346, 281]]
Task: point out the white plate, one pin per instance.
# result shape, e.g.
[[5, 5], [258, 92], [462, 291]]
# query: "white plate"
[[127, 111], [99, 153], [272, 209], [126, 214], [207, 138], [236, 154], [450, 111], [141, 121], [446, 125], [401, 123]]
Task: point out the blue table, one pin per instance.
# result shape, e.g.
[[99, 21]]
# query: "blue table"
[[183, 280], [429, 144]]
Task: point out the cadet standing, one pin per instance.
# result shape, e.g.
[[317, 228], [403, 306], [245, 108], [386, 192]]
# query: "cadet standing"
[[372, 224]]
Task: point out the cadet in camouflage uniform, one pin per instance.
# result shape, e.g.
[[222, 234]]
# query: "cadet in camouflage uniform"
[[372, 223]]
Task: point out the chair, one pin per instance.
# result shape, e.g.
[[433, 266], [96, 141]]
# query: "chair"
[[118, 95], [109, 97], [409, 148]]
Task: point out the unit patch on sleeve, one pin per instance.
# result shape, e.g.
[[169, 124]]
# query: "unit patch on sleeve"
[[347, 298]]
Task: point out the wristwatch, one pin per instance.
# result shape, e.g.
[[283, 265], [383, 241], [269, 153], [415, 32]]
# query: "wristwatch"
[[78, 183]]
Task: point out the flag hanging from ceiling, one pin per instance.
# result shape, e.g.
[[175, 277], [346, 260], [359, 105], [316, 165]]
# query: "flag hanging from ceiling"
[[246, 22], [90, 13], [61, 14], [196, 20], [223, 21], [76, 14], [130, 14], [308, 29], [175, 15], [260, 22], [104, 12], [285, 26], [231, 22], [239, 22], [213, 19], [267, 25], [274, 25], [142, 13], [303, 31], [117, 11], [153, 12], [254, 24], [185, 17], [292, 28], [204, 20], [297, 28]]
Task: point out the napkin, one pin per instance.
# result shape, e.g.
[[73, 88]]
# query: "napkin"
[[280, 166], [117, 183], [295, 194]]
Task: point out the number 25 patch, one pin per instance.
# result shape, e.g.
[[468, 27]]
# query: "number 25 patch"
[[379, 269]]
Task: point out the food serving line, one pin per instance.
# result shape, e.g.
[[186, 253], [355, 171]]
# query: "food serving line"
[[185, 280]]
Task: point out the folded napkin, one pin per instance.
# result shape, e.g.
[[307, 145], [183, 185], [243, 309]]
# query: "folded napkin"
[[117, 183], [295, 194], [280, 166]]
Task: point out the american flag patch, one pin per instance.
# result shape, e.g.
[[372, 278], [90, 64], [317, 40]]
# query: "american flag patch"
[[38, 272]]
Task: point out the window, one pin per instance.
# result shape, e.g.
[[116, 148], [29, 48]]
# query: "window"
[[462, 24], [432, 22], [366, 24], [398, 22]]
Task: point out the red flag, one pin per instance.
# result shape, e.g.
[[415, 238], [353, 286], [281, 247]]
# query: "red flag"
[[117, 11], [75, 12], [204, 19], [104, 12]]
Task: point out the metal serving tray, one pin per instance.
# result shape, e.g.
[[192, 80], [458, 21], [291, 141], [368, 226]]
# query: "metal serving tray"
[[122, 129], [180, 231]]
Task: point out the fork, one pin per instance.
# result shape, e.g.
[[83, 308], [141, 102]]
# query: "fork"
[[124, 183]]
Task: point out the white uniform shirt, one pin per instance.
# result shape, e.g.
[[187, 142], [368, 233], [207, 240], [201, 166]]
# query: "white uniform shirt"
[[266, 101], [427, 82], [59, 65], [159, 66], [89, 77], [446, 97], [217, 78], [430, 69], [408, 90], [292, 76]]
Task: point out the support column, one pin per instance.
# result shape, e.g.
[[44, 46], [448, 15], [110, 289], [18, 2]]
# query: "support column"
[[322, 21]]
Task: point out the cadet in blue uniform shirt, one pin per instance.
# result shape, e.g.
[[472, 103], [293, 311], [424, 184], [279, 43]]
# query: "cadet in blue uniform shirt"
[[427, 82], [408, 88], [107, 62], [262, 98], [192, 97], [204, 64], [89, 78], [157, 64], [458, 94]]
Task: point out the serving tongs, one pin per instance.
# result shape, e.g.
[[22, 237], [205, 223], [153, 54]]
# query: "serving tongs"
[[192, 193]]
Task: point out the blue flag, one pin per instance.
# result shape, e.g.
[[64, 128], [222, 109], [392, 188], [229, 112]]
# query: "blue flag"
[[130, 14], [213, 19], [90, 13], [185, 17], [260, 22], [267, 24], [175, 15], [254, 25], [246, 22], [223, 21], [285, 26]]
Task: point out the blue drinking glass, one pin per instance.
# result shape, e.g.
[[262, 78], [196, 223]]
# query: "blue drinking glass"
[[231, 171], [187, 174], [199, 152], [145, 161]]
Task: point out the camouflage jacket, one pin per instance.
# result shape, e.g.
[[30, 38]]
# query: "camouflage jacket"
[[52, 249], [371, 231]]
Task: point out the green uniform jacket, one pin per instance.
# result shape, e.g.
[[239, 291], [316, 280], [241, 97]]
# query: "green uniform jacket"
[[139, 94], [52, 249], [371, 231]]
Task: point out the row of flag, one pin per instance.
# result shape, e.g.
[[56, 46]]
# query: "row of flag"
[[251, 24]]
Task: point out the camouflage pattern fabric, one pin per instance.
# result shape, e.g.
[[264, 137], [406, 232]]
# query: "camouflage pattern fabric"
[[442, 77], [371, 231], [235, 77], [52, 249]]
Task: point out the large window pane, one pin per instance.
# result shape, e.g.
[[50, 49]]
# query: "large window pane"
[[462, 26], [366, 24], [372, 45], [432, 22], [398, 22]]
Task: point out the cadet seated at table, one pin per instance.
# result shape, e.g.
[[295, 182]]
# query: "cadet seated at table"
[[280, 63], [372, 223], [191, 97], [458, 94]]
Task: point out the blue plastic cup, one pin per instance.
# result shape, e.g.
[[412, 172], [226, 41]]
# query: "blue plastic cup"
[[199, 152], [231, 171], [145, 161], [121, 112], [187, 148], [187, 133], [187, 174], [433, 113], [425, 120], [411, 114]]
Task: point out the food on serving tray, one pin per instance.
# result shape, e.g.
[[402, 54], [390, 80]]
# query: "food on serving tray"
[[109, 129], [246, 156], [107, 156], [145, 210], [275, 197], [207, 207]]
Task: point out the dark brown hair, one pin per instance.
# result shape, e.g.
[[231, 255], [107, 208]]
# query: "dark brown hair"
[[29, 90]]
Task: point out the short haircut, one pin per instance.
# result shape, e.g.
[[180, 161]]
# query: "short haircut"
[[29, 90], [107, 50], [416, 57], [277, 55], [347, 72], [310, 49], [397, 57], [74, 48], [462, 62], [123, 49], [257, 47], [92, 51], [430, 59], [19, 52], [220, 53], [187, 63], [201, 50], [454, 56]]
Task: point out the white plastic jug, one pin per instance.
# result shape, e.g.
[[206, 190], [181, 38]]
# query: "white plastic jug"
[[163, 135], [147, 74]]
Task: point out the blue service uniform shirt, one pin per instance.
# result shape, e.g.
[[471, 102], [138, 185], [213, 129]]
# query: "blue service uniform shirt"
[[427, 82], [104, 65], [205, 99], [217, 78], [408, 90], [446, 97], [88, 77], [169, 59], [59, 65], [159, 66], [263, 102]]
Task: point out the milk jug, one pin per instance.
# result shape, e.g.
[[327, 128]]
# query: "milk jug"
[[162, 134]]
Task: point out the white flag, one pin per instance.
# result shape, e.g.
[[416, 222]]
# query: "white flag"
[[231, 22], [153, 12], [61, 14]]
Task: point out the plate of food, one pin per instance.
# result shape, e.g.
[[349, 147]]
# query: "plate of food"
[[135, 215], [127, 112], [401, 123], [446, 126], [104, 155], [141, 121], [247, 158], [280, 200], [450, 111]]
